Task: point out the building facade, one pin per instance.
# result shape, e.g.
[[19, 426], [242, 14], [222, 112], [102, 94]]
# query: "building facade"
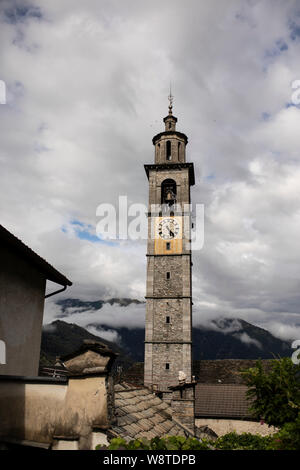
[[168, 337], [23, 277]]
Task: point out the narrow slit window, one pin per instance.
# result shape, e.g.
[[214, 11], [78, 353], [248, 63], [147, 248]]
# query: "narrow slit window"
[[167, 366], [168, 246], [168, 275], [167, 319], [169, 150]]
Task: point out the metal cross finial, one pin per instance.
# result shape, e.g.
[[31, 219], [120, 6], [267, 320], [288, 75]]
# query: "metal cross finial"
[[170, 98]]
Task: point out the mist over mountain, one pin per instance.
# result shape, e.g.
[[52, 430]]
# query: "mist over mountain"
[[60, 338], [81, 305], [223, 338]]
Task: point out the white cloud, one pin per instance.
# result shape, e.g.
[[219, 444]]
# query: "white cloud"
[[87, 86], [109, 315], [50, 328], [109, 335], [287, 332], [246, 339]]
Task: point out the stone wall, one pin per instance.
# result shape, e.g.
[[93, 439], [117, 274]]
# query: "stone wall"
[[178, 359], [183, 404], [22, 290], [226, 371], [224, 426], [177, 149], [167, 343], [206, 371], [47, 409]]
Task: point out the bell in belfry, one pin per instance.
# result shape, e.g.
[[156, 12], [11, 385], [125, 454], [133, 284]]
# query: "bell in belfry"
[[170, 196]]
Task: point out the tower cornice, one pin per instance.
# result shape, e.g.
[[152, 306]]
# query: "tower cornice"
[[172, 166], [169, 134], [170, 117]]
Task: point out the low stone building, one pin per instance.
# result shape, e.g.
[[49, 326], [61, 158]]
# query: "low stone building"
[[84, 408], [70, 412], [220, 395]]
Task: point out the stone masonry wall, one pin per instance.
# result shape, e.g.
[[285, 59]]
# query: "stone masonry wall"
[[163, 286], [173, 355]]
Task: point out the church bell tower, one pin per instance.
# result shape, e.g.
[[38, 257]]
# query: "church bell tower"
[[168, 337]]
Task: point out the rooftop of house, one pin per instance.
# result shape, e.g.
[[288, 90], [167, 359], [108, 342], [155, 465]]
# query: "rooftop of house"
[[220, 391], [93, 357], [222, 401], [140, 413], [13, 243]]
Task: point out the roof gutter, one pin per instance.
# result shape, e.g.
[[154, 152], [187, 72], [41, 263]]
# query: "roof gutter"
[[56, 292]]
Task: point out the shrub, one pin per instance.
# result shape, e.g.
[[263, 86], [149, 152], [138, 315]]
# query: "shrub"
[[244, 441], [288, 438], [157, 443]]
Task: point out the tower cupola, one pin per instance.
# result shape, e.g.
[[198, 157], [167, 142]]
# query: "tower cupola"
[[170, 144]]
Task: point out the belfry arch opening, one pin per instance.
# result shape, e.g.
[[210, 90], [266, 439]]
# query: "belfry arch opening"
[[168, 192]]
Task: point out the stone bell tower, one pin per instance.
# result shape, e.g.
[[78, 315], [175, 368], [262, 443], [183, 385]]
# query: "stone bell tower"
[[168, 338]]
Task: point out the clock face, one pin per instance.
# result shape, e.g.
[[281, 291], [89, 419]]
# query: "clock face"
[[168, 229]]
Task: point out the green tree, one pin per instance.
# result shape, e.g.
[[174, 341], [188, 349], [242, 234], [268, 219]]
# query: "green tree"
[[288, 438], [276, 394]]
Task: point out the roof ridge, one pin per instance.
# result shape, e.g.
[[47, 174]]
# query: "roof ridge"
[[45, 267]]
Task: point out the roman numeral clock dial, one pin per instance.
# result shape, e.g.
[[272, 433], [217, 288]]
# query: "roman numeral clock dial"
[[168, 235], [168, 229]]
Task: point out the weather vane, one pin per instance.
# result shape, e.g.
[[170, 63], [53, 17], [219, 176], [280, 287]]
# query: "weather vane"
[[170, 98]]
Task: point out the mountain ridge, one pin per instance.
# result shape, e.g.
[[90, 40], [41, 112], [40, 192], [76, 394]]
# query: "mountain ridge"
[[225, 338]]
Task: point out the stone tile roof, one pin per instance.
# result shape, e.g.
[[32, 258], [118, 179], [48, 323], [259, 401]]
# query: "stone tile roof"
[[140, 413], [221, 401]]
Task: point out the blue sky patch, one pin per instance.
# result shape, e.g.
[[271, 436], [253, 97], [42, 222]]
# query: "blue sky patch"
[[87, 232], [77, 222], [18, 13], [85, 235], [289, 105], [279, 47], [294, 30], [265, 116]]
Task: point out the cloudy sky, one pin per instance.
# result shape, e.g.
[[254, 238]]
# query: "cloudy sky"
[[87, 86]]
